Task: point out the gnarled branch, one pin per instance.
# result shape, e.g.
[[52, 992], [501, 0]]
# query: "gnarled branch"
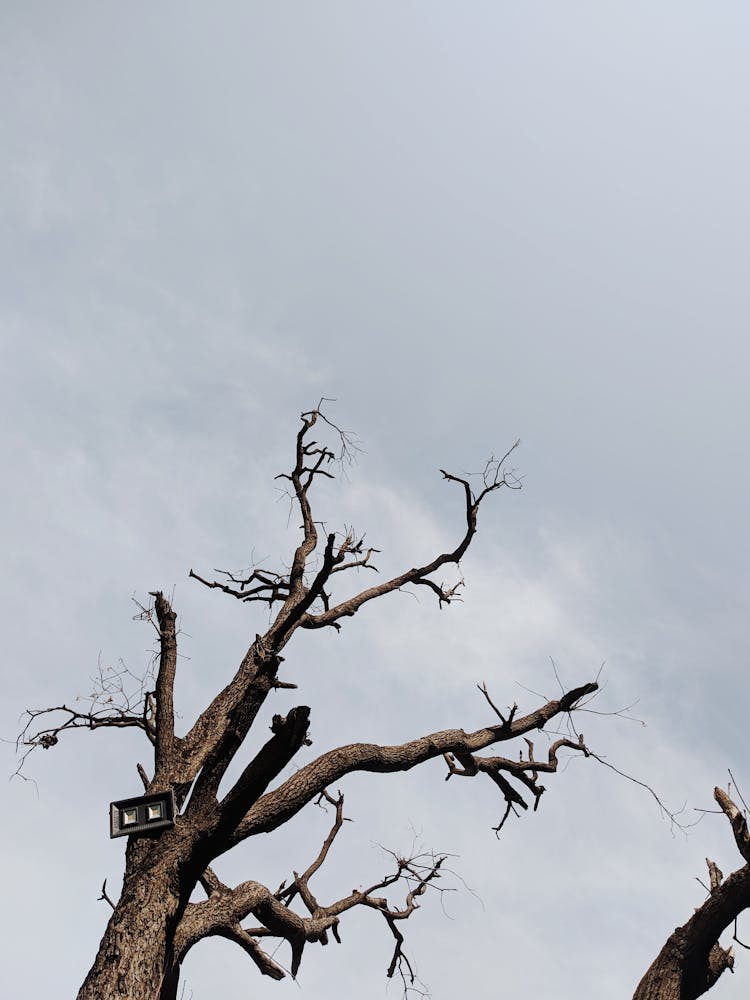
[[692, 959], [524, 770], [276, 807], [224, 909]]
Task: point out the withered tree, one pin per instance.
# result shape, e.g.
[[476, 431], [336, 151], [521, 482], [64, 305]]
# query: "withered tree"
[[692, 959], [154, 923]]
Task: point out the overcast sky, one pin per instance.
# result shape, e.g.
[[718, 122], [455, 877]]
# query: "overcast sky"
[[468, 223]]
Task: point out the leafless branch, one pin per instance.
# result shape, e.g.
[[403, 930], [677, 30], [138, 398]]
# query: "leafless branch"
[[113, 703], [289, 734], [259, 585], [494, 477], [105, 896], [737, 787], [511, 710], [276, 807], [738, 821], [735, 938], [692, 956], [165, 739], [524, 770], [419, 871], [671, 815], [209, 745]]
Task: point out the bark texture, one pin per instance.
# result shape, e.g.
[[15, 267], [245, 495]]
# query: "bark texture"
[[692, 959], [136, 953]]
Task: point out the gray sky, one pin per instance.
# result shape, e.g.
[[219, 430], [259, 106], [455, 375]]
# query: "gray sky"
[[468, 223]]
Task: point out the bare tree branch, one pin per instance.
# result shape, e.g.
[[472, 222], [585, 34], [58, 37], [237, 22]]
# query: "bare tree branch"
[[692, 960], [276, 807], [210, 744], [269, 587], [494, 478], [165, 735], [738, 821], [32, 737], [105, 895], [289, 734], [219, 920], [225, 907], [492, 766], [118, 700]]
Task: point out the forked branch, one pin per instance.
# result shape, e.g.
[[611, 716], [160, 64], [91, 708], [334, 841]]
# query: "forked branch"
[[494, 477], [276, 807], [524, 770], [209, 746], [225, 908], [119, 700], [692, 957]]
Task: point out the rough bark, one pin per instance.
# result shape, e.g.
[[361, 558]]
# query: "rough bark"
[[692, 959], [136, 953], [683, 969]]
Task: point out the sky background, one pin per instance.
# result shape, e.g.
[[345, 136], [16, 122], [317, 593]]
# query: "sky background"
[[468, 223]]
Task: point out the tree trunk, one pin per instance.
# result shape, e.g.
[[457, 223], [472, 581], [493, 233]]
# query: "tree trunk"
[[683, 970], [135, 959]]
